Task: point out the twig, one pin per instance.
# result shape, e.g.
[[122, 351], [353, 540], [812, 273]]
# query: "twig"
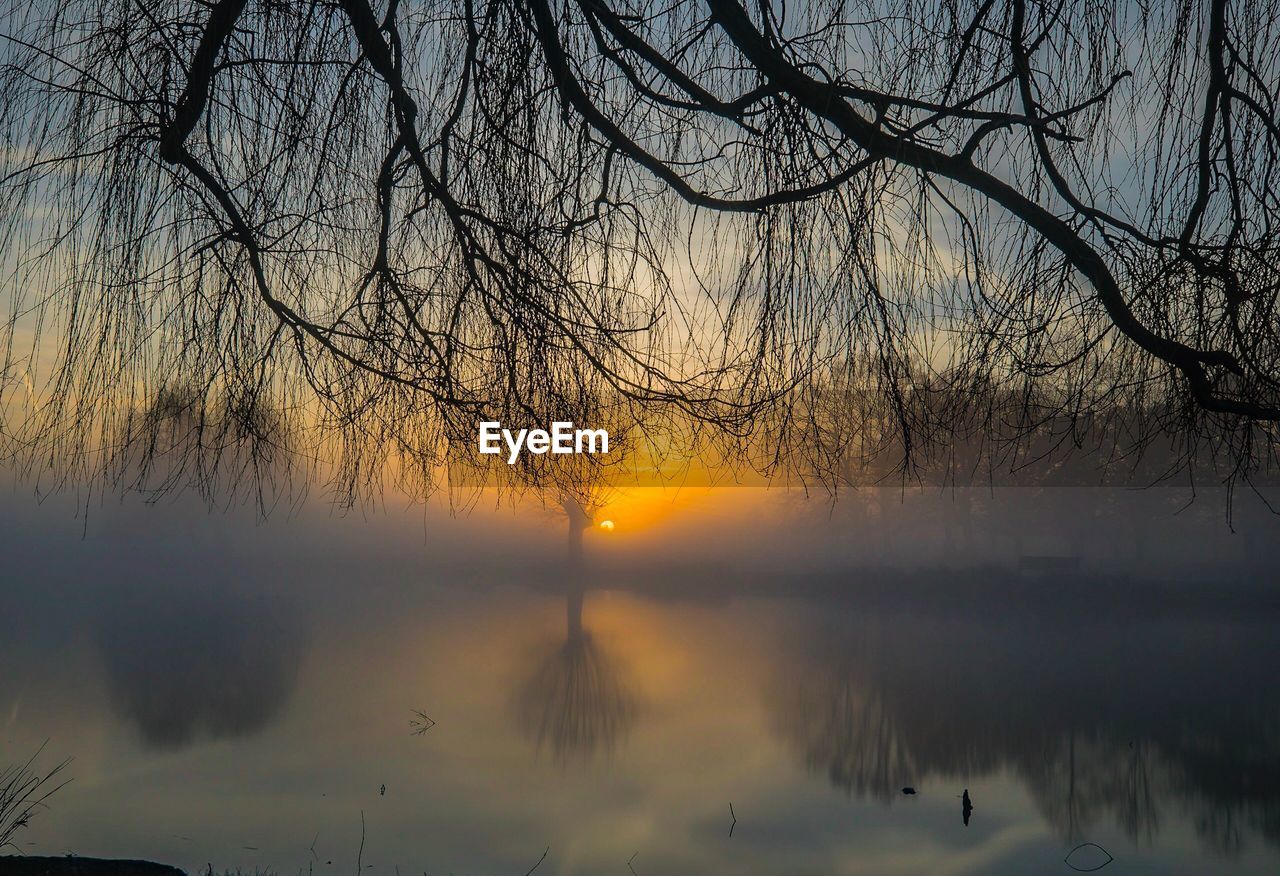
[[360, 854], [540, 860], [1067, 859], [421, 723], [734, 817]]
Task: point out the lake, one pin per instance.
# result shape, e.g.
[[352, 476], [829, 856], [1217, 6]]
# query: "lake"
[[314, 697]]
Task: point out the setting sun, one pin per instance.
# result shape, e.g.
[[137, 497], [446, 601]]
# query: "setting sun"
[[606, 525]]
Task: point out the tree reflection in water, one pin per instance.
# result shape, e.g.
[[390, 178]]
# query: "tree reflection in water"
[[840, 725], [578, 701], [184, 667], [1126, 723]]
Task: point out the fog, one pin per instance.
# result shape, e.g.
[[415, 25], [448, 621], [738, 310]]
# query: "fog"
[[1091, 665]]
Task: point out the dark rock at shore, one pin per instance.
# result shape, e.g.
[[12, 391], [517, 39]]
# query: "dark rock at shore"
[[70, 866]]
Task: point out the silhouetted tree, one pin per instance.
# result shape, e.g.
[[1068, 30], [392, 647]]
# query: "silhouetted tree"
[[391, 221]]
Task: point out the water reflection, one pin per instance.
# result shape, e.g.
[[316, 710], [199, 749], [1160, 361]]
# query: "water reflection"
[[839, 724], [622, 714], [578, 701], [1122, 723], [186, 666]]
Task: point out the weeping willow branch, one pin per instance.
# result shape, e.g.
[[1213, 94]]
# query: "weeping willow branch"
[[252, 239]]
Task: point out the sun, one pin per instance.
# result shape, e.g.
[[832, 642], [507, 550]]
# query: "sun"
[[606, 525]]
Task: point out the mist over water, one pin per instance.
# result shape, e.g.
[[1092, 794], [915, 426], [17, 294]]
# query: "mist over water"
[[1094, 666]]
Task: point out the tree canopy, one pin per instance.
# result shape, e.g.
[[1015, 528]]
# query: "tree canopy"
[[804, 225]]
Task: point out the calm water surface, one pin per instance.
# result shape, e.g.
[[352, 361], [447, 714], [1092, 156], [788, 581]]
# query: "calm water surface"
[[252, 704]]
